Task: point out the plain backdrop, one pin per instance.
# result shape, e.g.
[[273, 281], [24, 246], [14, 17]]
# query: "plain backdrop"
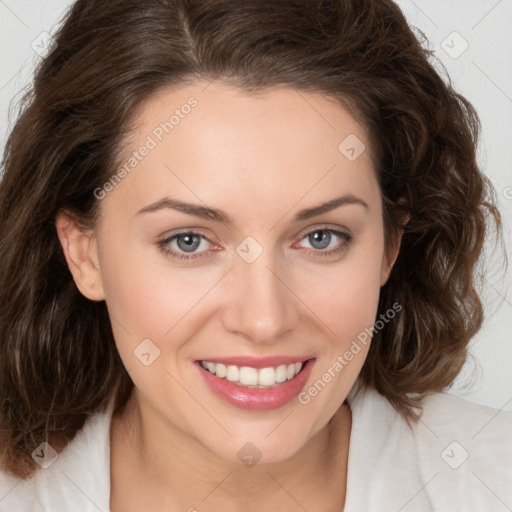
[[473, 39]]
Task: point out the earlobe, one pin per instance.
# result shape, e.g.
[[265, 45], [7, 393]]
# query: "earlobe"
[[80, 250]]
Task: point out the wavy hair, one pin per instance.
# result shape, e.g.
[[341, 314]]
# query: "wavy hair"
[[59, 360]]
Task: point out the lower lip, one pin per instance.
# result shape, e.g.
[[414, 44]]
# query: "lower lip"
[[257, 398]]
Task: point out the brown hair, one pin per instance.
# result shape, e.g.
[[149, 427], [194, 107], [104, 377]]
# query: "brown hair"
[[59, 360]]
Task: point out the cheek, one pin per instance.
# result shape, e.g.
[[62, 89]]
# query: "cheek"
[[346, 295], [143, 291], [150, 299], [347, 303], [152, 315]]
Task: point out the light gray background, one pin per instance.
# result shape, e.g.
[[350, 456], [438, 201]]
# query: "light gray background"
[[483, 73]]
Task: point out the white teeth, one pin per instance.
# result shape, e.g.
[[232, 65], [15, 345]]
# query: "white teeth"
[[220, 370], [248, 376], [266, 377], [281, 373], [233, 373], [253, 377]]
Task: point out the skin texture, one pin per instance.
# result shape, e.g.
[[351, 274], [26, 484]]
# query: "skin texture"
[[260, 159]]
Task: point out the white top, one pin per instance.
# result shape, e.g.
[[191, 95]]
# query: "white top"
[[458, 457]]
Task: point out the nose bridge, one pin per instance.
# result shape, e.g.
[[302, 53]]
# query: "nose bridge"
[[261, 307]]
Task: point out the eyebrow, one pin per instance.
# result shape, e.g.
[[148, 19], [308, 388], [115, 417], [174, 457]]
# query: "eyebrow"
[[216, 215]]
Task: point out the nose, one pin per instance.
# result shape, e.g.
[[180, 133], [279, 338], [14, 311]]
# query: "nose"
[[262, 305]]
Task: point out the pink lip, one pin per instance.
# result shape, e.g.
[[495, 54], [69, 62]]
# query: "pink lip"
[[258, 362], [255, 398]]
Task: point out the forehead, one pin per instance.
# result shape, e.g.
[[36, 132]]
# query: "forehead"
[[218, 110], [212, 141]]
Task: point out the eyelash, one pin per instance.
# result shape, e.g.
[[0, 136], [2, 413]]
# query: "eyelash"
[[163, 245]]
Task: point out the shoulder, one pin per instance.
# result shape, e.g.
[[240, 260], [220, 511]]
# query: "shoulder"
[[457, 456], [77, 478]]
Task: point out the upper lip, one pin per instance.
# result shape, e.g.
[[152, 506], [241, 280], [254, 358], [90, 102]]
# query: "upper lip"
[[257, 362]]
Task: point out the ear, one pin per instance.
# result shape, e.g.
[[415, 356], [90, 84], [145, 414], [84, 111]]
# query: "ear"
[[390, 255], [81, 253]]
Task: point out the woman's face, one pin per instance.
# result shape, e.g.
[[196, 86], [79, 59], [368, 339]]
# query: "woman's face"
[[255, 274]]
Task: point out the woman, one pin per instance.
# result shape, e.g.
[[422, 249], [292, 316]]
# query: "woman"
[[238, 250]]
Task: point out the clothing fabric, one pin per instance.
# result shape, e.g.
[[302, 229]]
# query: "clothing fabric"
[[457, 457]]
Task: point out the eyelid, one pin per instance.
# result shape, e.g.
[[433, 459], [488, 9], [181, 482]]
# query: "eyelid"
[[186, 231], [300, 235], [320, 227]]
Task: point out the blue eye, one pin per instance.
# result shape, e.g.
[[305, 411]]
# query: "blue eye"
[[185, 245], [321, 239], [188, 242]]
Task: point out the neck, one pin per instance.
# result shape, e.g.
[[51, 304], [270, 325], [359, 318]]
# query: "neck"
[[152, 461]]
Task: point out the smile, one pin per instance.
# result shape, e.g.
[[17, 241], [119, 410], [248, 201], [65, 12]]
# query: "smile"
[[248, 376], [256, 383]]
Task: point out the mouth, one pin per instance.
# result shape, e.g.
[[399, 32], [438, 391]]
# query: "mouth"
[[258, 384]]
